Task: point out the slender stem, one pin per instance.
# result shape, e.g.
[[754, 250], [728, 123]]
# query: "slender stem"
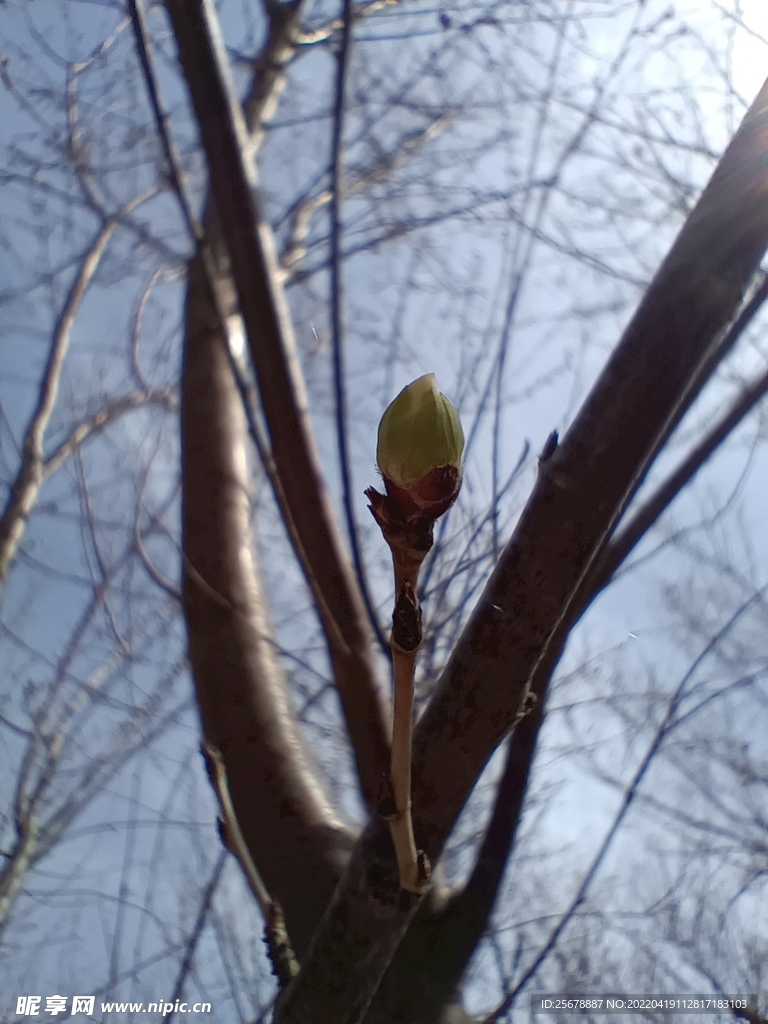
[[23, 493], [194, 937], [337, 322], [175, 173], [235, 842], [404, 642], [284, 962], [401, 826]]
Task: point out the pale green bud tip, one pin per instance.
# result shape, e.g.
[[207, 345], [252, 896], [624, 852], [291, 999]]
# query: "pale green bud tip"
[[419, 432]]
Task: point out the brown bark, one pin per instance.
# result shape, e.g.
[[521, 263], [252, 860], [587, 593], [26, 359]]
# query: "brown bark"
[[267, 323], [423, 981], [266, 842], [240, 684]]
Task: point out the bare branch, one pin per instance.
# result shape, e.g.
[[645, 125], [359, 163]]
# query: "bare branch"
[[235, 843], [337, 326], [301, 212], [688, 305], [109, 413], [627, 538], [226, 607], [667, 725], [240, 683], [218, 287], [152, 571], [283, 959], [466, 911], [319, 35], [31, 473], [138, 22], [194, 936], [15, 868], [158, 275], [283, 398]]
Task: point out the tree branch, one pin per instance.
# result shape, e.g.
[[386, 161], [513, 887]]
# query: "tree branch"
[[584, 484], [110, 412], [337, 326], [194, 936], [443, 938], [242, 693], [240, 710], [301, 212], [667, 725], [29, 478], [466, 917], [32, 471], [627, 538], [265, 315], [284, 963]]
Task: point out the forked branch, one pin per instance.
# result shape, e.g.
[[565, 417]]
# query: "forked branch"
[[270, 337]]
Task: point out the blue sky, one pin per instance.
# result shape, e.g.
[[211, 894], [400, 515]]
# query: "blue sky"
[[567, 318]]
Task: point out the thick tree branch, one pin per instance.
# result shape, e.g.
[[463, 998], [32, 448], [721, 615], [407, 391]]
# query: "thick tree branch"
[[241, 690], [267, 323], [444, 935], [584, 485], [462, 924], [250, 754], [628, 537], [533, 594]]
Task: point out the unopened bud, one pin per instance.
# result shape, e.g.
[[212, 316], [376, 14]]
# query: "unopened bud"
[[419, 450]]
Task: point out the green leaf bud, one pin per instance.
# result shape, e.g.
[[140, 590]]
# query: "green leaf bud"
[[419, 432]]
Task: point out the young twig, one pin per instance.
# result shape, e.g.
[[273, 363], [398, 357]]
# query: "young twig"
[[409, 544], [284, 962], [404, 643], [419, 455]]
